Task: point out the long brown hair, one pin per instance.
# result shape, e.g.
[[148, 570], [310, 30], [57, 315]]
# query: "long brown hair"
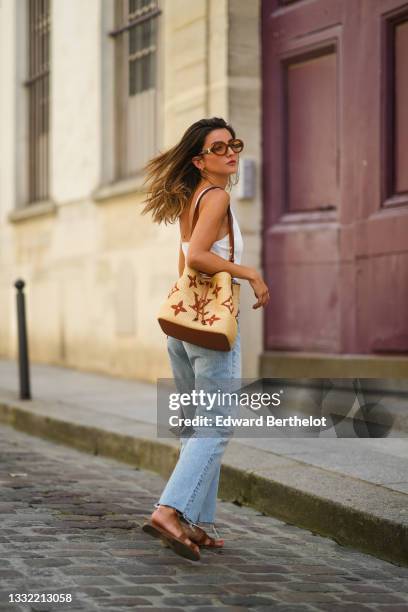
[[172, 177]]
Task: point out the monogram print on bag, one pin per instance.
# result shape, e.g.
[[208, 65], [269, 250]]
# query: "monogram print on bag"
[[199, 306], [178, 308], [193, 280], [216, 290], [212, 319], [200, 303], [229, 304], [173, 289]]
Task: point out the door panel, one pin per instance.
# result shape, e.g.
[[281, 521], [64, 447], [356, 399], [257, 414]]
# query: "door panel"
[[335, 121], [311, 101], [400, 48]]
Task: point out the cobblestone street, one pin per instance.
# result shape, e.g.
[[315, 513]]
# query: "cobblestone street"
[[70, 524]]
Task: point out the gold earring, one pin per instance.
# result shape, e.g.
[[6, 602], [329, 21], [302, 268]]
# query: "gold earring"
[[231, 183]]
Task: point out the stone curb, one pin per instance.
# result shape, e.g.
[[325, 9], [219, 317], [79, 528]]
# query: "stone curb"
[[354, 513]]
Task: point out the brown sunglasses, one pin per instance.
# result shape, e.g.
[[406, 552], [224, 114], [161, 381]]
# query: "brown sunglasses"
[[220, 148]]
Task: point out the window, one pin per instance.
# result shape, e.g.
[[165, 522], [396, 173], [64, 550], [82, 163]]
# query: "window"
[[135, 37], [38, 86]]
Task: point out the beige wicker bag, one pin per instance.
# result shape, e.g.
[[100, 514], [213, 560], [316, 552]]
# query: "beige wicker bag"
[[201, 308]]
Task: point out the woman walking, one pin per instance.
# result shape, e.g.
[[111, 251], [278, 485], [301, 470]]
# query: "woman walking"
[[199, 169]]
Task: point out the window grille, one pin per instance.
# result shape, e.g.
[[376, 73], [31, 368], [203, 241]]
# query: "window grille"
[[38, 86], [135, 84]]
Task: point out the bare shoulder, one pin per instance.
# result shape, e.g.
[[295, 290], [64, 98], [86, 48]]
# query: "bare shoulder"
[[218, 198]]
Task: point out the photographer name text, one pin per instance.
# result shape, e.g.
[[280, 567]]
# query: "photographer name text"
[[259, 421]]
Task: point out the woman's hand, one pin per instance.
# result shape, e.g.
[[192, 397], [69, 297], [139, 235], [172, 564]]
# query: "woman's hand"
[[260, 289]]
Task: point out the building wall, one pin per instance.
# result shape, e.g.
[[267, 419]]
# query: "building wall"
[[96, 269]]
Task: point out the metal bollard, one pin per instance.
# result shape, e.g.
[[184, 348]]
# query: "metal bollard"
[[22, 342]]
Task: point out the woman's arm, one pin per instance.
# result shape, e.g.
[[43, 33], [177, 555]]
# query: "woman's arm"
[[210, 263], [199, 256]]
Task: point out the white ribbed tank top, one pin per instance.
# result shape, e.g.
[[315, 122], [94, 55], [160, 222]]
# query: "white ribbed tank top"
[[221, 247]]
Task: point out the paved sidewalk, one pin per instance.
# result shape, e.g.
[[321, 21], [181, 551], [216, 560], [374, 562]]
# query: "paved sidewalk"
[[70, 524], [355, 490]]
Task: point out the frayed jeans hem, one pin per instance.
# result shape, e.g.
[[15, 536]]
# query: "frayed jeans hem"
[[199, 524]]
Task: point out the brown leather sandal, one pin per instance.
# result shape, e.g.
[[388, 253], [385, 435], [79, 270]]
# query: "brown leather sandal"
[[181, 545], [199, 536]]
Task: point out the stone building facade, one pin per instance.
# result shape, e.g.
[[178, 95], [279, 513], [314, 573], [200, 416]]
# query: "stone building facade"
[[81, 110]]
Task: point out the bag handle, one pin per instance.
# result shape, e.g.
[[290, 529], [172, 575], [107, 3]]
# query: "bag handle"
[[230, 222]]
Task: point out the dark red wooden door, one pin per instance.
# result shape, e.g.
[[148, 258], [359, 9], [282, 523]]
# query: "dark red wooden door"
[[335, 174]]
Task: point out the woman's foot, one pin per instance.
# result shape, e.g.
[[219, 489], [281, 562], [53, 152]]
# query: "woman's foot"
[[200, 537], [167, 518]]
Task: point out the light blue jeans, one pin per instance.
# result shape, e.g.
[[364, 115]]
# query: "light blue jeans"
[[193, 485]]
